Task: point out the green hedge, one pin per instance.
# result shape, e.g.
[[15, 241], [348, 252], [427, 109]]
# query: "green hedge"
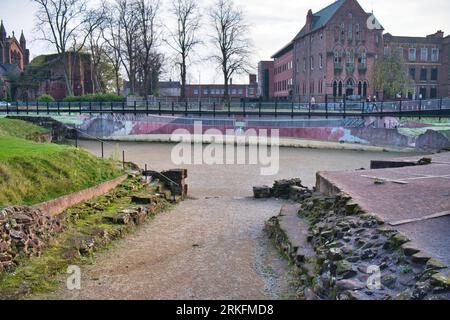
[[100, 97], [46, 98]]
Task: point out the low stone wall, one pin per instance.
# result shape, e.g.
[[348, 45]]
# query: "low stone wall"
[[344, 253], [57, 206]]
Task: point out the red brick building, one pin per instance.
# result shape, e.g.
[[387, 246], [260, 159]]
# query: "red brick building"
[[45, 75], [266, 83], [14, 56], [335, 52], [283, 69], [217, 91], [427, 59]]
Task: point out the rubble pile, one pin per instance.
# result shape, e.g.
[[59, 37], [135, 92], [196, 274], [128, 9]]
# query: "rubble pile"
[[357, 257], [24, 232], [284, 189]]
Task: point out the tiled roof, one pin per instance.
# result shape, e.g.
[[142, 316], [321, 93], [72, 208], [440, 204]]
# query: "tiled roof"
[[283, 51], [426, 40], [322, 17]]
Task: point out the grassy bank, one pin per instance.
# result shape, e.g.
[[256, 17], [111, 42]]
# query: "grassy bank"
[[18, 128], [35, 172]]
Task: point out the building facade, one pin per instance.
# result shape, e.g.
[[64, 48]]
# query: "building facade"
[[45, 75], [266, 81], [217, 91], [14, 56], [283, 72], [334, 54], [427, 61]]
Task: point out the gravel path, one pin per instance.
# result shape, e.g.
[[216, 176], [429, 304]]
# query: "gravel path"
[[211, 246]]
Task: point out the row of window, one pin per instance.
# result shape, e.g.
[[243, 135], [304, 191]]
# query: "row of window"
[[424, 74], [284, 85], [285, 67], [312, 88], [341, 32], [424, 93], [219, 91], [412, 53], [349, 59]]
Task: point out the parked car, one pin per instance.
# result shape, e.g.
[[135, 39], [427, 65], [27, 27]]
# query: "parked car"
[[4, 104]]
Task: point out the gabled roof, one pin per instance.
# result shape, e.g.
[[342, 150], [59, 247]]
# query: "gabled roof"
[[322, 17], [284, 50]]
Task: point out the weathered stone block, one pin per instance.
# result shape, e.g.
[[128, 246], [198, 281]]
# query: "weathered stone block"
[[261, 192]]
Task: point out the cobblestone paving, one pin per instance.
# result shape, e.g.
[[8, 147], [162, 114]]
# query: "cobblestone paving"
[[211, 246]]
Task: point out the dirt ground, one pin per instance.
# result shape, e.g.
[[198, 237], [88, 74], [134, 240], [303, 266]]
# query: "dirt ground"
[[211, 246]]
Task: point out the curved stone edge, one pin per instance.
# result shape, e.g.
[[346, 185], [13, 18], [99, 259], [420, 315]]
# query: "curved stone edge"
[[57, 206]]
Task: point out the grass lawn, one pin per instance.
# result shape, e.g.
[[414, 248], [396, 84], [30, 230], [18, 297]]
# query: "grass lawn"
[[18, 128], [33, 172]]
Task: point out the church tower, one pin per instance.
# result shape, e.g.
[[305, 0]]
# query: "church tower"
[[25, 51], [2, 42], [2, 32]]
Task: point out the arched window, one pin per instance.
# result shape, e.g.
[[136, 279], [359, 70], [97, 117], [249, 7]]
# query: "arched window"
[[359, 88], [340, 89], [335, 89], [365, 89]]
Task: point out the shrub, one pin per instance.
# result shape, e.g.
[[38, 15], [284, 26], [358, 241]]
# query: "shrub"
[[46, 98], [99, 97]]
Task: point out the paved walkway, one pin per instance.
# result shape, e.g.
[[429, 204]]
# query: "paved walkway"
[[211, 246], [409, 193]]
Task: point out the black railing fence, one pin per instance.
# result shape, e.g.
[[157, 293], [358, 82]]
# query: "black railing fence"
[[327, 107]]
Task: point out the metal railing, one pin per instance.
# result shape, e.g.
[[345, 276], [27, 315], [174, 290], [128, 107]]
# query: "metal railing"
[[401, 108]]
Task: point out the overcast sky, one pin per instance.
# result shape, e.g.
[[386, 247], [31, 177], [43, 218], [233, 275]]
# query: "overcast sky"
[[273, 24]]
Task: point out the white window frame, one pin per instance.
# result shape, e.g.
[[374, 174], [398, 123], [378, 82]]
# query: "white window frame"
[[423, 54], [412, 54], [435, 54]]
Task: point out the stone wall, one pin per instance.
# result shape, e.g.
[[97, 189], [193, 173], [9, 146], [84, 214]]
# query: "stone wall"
[[57, 206], [24, 231]]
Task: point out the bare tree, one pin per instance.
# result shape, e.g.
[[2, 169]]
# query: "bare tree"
[[96, 43], [64, 24], [127, 13], [185, 38], [149, 30], [229, 38], [111, 33]]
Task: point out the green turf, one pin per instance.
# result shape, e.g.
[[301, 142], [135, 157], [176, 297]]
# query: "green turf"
[[35, 172], [12, 147], [18, 128]]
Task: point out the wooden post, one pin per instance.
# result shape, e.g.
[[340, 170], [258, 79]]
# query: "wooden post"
[[103, 150]]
